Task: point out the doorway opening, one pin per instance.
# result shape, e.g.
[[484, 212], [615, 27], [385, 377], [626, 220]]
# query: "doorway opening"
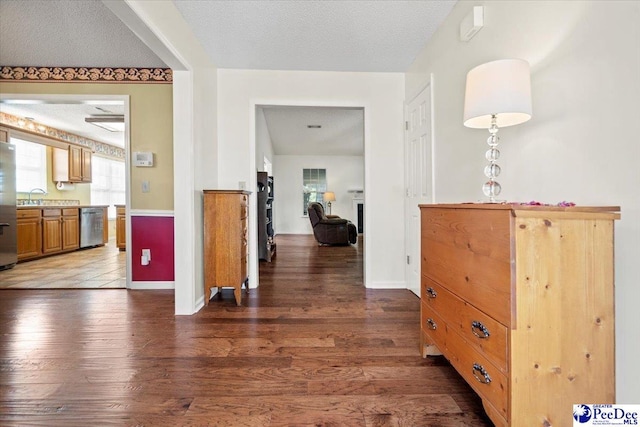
[[52, 120], [311, 153]]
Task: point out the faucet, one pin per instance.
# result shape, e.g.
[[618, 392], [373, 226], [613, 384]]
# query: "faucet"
[[40, 190]]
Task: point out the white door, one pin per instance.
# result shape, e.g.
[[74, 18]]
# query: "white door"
[[418, 179]]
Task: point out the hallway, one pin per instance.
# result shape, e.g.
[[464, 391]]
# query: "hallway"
[[310, 346]]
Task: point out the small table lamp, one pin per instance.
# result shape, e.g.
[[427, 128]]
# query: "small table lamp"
[[498, 94], [329, 196]]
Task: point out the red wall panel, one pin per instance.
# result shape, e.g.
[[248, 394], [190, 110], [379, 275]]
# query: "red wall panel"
[[155, 233]]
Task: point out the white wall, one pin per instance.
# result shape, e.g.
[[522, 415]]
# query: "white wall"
[[161, 26], [264, 146], [381, 95], [343, 173], [582, 142]]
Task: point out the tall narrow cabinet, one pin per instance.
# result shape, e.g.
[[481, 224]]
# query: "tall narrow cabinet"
[[266, 232], [520, 300], [225, 241]]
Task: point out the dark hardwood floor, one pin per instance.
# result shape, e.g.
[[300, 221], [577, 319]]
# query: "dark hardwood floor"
[[310, 347]]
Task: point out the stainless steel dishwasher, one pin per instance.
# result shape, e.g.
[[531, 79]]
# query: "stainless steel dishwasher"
[[91, 227]]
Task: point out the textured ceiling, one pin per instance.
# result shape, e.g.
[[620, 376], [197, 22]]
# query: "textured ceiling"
[[341, 134], [70, 117], [361, 35], [70, 33]]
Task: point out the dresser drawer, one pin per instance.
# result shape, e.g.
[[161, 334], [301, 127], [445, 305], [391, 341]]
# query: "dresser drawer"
[[469, 363], [488, 336], [469, 251]]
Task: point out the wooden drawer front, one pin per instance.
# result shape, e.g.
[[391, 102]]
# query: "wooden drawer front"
[[28, 213], [51, 212], [70, 212], [469, 322], [464, 357], [469, 252]]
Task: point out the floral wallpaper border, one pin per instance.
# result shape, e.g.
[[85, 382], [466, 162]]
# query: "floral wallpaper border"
[[98, 147], [87, 74]]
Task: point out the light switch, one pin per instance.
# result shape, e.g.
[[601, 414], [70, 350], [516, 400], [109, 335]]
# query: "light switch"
[[146, 187]]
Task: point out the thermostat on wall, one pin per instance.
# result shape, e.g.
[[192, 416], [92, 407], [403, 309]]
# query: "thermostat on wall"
[[143, 159]]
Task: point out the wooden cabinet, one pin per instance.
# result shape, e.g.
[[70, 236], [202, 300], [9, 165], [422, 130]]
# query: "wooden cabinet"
[[520, 300], [51, 231], [29, 231], [70, 229], [105, 225], [72, 164], [266, 233], [121, 227], [60, 230], [225, 241]]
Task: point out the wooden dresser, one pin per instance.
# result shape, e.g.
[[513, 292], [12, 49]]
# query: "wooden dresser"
[[225, 241], [520, 300]]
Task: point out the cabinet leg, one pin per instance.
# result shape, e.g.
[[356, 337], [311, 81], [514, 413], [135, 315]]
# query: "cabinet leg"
[[428, 348], [237, 293]]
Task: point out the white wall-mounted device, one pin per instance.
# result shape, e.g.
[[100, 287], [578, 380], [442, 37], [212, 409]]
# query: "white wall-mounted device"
[[472, 23], [144, 159]]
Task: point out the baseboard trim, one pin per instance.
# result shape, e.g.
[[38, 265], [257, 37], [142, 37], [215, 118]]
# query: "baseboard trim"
[[140, 285], [199, 304], [386, 285]]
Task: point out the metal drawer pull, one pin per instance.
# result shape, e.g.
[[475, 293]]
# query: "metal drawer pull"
[[431, 324], [479, 330], [431, 292], [484, 377]]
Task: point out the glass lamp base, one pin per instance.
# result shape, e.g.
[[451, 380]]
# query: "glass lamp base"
[[491, 189]]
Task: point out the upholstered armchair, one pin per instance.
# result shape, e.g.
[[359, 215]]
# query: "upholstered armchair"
[[331, 229]]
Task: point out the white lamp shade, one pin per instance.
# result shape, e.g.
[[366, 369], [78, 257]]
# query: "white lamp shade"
[[329, 196], [499, 87]]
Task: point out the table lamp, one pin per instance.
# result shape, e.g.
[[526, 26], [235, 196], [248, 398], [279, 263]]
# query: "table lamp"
[[329, 196], [498, 94]]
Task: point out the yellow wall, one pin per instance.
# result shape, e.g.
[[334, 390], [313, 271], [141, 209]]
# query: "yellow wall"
[[151, 129]]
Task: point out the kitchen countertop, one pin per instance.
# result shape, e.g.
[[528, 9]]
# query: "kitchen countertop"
[[60, 206]]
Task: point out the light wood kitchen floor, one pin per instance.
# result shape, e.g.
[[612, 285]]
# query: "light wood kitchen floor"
[[94, 268]]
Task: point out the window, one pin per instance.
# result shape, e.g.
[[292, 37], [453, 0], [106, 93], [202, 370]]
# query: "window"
[[31, 165], [108, 183], [314, 183]]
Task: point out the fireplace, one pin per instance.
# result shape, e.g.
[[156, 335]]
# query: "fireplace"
[[358, 213]]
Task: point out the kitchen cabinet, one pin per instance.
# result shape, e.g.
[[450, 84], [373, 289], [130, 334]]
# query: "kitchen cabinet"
[[72, 165], [29, 231], [51, 231], [520, 300], [70, 229], [225, 241], [121, 224], [60, 230], [105, 226]]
